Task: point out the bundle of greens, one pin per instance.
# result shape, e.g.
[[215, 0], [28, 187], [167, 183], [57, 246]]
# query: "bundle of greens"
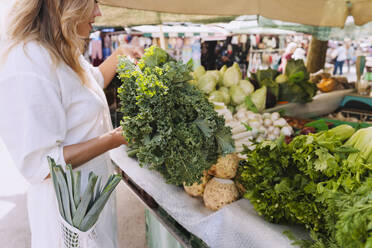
[[293, 86], [80, 211], [169, 124], [297, 88], [318, 180]]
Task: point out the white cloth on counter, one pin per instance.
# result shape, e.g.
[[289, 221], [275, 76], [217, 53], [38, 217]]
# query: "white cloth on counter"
[[43, 109], [235, 225]]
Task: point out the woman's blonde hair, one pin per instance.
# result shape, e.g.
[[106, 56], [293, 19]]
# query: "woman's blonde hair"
[[54, 25]]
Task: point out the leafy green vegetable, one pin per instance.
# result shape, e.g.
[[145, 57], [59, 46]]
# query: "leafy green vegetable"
[[319, 125], [297, 88], [321, 181], [250, 105], [246, 86], [232, 76], [267, 78], [199, 72], [237, 94], [216, 96], [207, 83], [259, 98], [84, 212], [169, 124]]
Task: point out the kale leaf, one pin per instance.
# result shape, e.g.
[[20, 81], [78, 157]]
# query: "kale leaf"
[[169, 124]]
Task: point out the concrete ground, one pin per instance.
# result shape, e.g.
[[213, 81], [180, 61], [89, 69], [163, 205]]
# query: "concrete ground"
[[14, 230]]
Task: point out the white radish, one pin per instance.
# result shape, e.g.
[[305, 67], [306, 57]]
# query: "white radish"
[[242, 135], [238, 129], [275, 116], [240, 115], [276, 131], [228, 116], [280, 122], [286, 131], [268, 122], [234, 124], [254, 124], [242, 142], [266, 115], [262, 131], [270, 129], [254, 132]]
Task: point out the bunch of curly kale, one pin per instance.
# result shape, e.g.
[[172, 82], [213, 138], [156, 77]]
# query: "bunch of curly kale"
[[170, 125]]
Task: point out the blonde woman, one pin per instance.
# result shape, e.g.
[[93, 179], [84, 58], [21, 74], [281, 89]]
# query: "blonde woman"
[[52, 104]]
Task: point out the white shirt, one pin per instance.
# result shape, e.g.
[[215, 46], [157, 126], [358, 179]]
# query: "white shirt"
[[341, 53], [43, 109]]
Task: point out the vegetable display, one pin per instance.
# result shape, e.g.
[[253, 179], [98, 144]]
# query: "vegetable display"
[[80, 210], [250, 128], [217, 187], [169, 123], [318, 180], [293, 86], [227, 86]]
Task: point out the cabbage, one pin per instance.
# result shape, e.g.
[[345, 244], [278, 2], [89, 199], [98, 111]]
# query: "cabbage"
[[237, 94], [232, 76], [226, 94], [259, 98], [246, 86], [223, 70], [281, 79], [199, 72], [207, 83], [193, 82], [216, 96], [217, 75], [224, 89]]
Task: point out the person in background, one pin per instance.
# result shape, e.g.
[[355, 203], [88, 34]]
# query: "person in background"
[[350, 56], [60, 109], [287, 55], [339, 55], [299, 53]]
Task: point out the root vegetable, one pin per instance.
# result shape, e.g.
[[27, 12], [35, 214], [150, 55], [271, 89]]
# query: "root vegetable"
[[225, 167], [219, 193]]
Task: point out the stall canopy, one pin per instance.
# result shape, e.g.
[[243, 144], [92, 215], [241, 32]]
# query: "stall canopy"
[[250, 25], [349, 31], [182, 30], [123, 17], [331, 13]]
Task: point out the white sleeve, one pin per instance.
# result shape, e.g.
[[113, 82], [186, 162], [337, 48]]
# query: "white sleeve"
[[33, 123], [96, 72]]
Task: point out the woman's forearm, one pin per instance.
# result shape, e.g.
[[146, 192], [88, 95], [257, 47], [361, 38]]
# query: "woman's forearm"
[[81, 153], [108, 67]]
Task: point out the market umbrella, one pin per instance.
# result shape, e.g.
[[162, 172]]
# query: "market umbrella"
[[331, 13], [350, 30], [115, 17]]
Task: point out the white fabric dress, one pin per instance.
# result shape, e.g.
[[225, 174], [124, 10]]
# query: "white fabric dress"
[[44, 108]]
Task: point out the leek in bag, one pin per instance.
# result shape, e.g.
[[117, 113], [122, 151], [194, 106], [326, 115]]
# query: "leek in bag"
[[80, 211]]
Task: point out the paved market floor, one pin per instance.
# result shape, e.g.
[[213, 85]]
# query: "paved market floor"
[[14, 230]]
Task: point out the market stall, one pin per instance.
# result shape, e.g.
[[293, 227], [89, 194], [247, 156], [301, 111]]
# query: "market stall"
[[292, 169]]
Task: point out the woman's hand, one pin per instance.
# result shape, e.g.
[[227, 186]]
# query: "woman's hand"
[[108, 67], [78, 154], [131, 51], [117, 137]]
